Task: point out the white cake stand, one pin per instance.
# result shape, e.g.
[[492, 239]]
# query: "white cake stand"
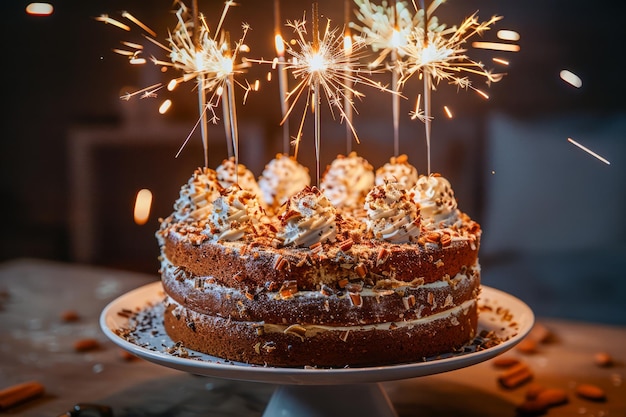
[[305, 392]]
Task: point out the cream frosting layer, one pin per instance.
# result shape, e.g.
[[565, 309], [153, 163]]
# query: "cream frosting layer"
[[397, 170], [197, 195], [309, 218], [391, 215], [347, 181], [282, 178], [234, 212], [436, 201]]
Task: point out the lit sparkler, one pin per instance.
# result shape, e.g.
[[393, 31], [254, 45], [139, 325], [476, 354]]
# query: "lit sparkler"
[[438, 53], [208, 59], [322, 66], [386, 29]]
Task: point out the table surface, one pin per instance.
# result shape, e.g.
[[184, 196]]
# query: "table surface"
[[36, 344]]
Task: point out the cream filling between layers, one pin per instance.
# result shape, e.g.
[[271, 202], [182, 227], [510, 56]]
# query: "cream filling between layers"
[[311, 330]]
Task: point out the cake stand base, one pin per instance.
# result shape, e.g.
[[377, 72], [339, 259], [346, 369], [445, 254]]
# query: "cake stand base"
[[363, 400]]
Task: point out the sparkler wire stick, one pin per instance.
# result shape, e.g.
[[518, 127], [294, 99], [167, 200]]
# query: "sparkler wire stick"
[[316, 92], [427, 86], [395, 77], [395, 103], [282, 77], [204, 129], [347, 45]]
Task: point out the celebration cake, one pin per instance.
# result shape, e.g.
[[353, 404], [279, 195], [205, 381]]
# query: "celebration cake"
[[382, 273]]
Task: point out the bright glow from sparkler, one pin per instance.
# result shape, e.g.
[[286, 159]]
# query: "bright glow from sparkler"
[[279, 45], [317, 63], [571, 78], [384, 28], [347, 45]]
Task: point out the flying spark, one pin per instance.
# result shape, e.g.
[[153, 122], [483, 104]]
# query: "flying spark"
[[589, 151]]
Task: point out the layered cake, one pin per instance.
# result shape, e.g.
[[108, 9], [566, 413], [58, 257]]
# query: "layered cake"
[[361, 272]]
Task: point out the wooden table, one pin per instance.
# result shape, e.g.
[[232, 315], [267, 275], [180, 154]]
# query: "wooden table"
[[37, 344]]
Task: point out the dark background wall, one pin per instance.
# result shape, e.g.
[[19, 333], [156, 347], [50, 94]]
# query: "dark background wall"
[[61, 75]]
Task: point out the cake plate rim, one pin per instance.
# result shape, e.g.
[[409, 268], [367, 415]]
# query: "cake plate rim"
[[150, 295]]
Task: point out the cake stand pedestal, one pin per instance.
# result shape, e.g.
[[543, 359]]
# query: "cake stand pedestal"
[[363, 400], [307, 392]]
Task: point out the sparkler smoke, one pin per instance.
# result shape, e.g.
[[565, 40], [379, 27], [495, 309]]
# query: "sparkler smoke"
[[208, 59]]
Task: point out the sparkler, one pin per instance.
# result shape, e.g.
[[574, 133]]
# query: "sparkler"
[[386, 28], [322, 66], [207, 59], [438, 53]]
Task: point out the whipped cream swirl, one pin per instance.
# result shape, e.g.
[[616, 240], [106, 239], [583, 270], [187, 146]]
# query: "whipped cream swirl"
[[282, 178], [436, 201], [397, 170], [347, 181], [309, 218], [229, 173], [391, 214], [196, 197], [234, 214]]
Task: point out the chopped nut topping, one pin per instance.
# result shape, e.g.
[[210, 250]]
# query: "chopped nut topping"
[[342, 282], [326, 290], [431, 298], [280, 263], [409, 301], [346, 244], [361, 270], [383, 255], [356, 299], [288, 289]]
